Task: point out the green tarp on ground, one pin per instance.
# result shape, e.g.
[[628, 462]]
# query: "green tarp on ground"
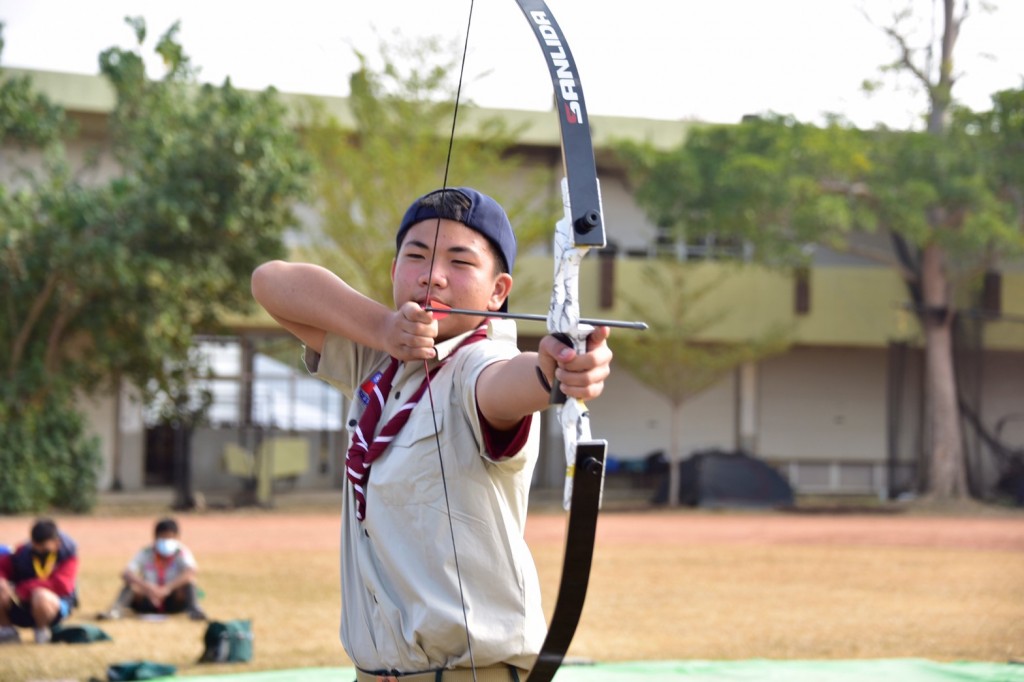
[[897, 670]]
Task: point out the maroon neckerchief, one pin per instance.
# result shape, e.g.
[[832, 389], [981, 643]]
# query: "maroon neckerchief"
[[361, 453]]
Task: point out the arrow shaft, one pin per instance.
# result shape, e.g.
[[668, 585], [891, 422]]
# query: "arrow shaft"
[[621, 324]]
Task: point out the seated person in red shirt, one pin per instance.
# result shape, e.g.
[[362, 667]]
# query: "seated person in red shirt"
[[37, 583], [161, 578]]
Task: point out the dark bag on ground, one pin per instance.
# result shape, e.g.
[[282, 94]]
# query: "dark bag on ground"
[[227, 642], [78, 634], [139, 670]]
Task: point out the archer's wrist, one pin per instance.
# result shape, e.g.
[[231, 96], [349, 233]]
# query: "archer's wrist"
[[544, 382]]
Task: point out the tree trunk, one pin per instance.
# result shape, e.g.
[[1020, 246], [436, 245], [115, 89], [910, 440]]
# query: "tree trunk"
[[184, 499], [947, 470], [947, 479], [118, 449], [675, 455]]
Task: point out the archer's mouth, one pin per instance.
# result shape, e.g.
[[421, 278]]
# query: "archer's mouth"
[[437, 308]]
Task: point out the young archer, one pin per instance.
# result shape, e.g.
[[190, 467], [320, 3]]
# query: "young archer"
[[427, 471]]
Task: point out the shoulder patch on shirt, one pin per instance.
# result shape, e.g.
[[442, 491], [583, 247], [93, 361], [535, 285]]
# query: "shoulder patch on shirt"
[[367, 386]]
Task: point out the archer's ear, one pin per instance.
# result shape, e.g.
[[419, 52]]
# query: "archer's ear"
[[502, 289]]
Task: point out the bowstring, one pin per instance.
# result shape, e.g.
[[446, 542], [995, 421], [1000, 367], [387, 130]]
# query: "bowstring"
[[430, 392]]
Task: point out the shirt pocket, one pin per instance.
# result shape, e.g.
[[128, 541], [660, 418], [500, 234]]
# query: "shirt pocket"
[[409, 472]]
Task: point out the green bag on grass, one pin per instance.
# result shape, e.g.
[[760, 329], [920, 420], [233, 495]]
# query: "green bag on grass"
[[227, 642], [138, 670], [78, 634]]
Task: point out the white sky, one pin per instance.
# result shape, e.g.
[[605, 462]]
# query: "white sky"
[[712, 60]]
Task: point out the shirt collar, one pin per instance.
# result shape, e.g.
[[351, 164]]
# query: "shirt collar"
[[446, 348]]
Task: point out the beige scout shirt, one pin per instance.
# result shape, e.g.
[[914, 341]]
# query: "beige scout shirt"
[[401, 608], [144, 564]]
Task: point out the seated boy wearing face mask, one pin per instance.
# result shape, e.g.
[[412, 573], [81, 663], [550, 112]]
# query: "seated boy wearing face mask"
[[161, 578]]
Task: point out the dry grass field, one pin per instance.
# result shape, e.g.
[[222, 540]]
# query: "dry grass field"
[[666, 585]]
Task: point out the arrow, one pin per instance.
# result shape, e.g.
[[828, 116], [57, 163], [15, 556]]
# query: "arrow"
[[440, 310]]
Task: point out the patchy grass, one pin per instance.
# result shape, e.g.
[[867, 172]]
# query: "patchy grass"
[[665, 585]]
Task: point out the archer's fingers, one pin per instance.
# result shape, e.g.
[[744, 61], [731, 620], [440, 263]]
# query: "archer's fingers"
[[583, 376], [596, 349], [407, 353], [598, 355], [414, 313], [416, 343], [598, 337], [412, 333], [582, 385]]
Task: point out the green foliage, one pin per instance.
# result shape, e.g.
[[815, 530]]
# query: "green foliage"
[[780, 185], [46, 458], [211, 175], [111, 279], [950, 199], [759, 183], [394, 149], [185, 400], [932, 189], [26, 117], [1000, 142], [114, 279]]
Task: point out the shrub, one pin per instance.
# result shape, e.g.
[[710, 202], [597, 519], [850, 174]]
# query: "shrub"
[[46, 458]]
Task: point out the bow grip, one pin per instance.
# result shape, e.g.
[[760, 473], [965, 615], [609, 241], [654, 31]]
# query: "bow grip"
[[577, 342]]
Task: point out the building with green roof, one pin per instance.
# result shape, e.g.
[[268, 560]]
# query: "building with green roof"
[[837, 412]]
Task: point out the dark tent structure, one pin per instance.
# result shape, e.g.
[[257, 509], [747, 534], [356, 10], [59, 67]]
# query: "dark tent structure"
[[716, 478]]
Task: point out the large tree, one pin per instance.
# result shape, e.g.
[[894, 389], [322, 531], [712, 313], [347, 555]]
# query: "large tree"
[[966, 214], [948, 204], [109, 279], [949, 197]]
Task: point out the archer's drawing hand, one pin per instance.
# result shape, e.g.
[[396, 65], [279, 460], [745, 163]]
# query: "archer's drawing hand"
[[410, 333], [581, 375]]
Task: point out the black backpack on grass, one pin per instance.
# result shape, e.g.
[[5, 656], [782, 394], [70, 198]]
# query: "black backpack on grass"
[[227, 642]]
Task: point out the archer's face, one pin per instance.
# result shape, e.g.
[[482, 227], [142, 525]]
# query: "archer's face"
[[464, 274], [46, 547]]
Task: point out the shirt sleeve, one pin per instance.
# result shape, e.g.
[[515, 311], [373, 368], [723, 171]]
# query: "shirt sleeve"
[[137, 563], [188, 560], [504, 444], [62, 581], [472, 360], [342, 363]]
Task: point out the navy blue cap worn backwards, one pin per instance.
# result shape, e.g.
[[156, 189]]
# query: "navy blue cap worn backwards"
[[473, 209]]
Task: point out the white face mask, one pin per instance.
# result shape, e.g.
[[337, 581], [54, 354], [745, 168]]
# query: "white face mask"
[[166, 546]]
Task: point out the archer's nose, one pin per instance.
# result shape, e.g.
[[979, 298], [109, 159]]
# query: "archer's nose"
[[434, 278]]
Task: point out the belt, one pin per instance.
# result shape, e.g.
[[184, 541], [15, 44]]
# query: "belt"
[[494, 673]]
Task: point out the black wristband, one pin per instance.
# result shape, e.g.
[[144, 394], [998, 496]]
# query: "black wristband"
[[543, 380]]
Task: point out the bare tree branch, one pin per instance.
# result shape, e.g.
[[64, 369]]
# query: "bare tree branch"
[[879, 256], [34, 313], [53, 342], [906, 57]]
